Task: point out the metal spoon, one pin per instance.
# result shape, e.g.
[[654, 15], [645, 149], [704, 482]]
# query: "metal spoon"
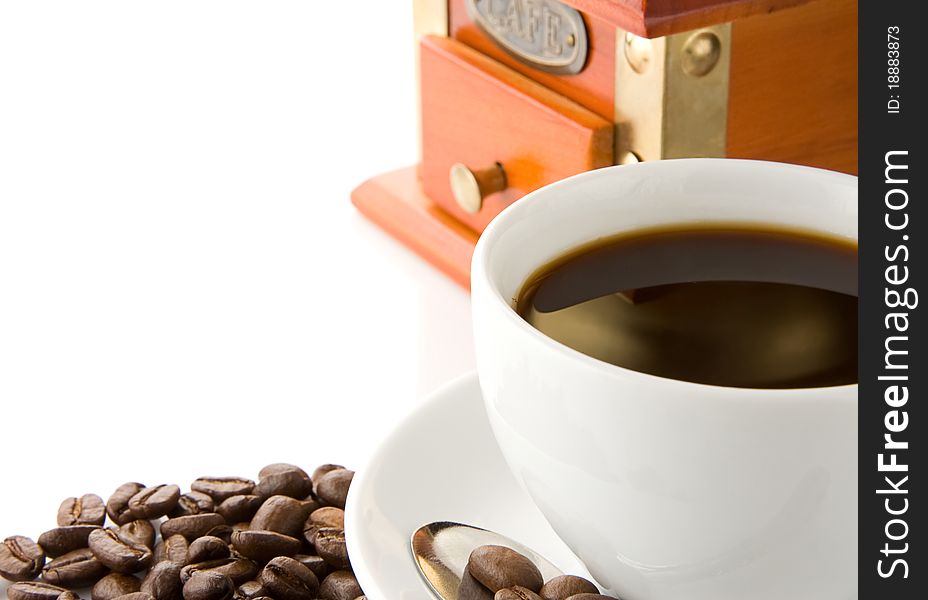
[[441, 551]]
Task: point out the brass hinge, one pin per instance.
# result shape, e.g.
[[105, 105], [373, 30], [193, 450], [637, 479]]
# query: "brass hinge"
[[671, 94]]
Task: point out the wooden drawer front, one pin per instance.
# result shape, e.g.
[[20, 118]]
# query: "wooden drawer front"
[[478, 112], [594, 87]]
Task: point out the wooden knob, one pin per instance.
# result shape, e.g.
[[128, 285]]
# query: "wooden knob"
[[471, 187]]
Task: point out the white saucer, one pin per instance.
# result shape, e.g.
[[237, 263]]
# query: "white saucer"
[[440, 464]]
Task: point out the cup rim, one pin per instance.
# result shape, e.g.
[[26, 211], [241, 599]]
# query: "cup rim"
[[480, 269]]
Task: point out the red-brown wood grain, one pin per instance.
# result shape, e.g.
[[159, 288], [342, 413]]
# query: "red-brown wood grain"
[[478, 112], [793, 98], [594, 87], [793, 79], [395, 201], [653, 18], [793, 93]]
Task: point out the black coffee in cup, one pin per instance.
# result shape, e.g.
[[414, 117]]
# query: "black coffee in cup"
[[721, 305]]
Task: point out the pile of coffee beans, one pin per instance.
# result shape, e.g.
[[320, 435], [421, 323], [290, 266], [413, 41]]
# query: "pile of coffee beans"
[[500, 573], [228, 538]]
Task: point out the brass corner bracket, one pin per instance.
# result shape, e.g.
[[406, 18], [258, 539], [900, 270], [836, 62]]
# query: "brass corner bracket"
[[671, 94]]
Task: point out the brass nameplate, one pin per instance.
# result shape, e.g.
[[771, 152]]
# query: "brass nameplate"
[[544, 34]]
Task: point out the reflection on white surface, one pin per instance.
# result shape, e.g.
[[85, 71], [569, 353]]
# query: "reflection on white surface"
[[441, 463], [185, 288]]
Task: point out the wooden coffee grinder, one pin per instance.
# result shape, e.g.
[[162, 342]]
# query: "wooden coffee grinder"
[[516, 94]]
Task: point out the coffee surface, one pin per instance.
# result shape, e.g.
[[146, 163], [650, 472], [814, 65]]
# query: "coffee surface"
[[721, 305]]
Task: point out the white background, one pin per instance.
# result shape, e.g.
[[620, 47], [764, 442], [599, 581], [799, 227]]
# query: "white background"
[[185, 288]]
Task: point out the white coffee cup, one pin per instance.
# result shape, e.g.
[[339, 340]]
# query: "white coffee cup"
[[670, 490]]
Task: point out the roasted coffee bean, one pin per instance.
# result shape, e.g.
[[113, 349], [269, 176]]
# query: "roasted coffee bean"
[[309, 534], [77, 568], [220, 488], [281, 514], [471, 589], [590, 597], [172, 549], [498, 567], [191, 526], [239, 508], [262, 546], [119, 552], [117, 506], [21, 559], [193, 503], [37, 590], [223, 532], [237, 568], [564, 586], [340, 585], [207, 548], [263, 520], [135, 596], [283, 480], [153, 502], [323, 469], [250, 590], [315, 564], [332, 488], [328, 516], [163, 582], [86, 510], [286, 579], [62, 540], [276, 468], [189, 570], [310, 505], [140, 532], [516, 593], [115, 585], [330, 545], [208, 585]]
